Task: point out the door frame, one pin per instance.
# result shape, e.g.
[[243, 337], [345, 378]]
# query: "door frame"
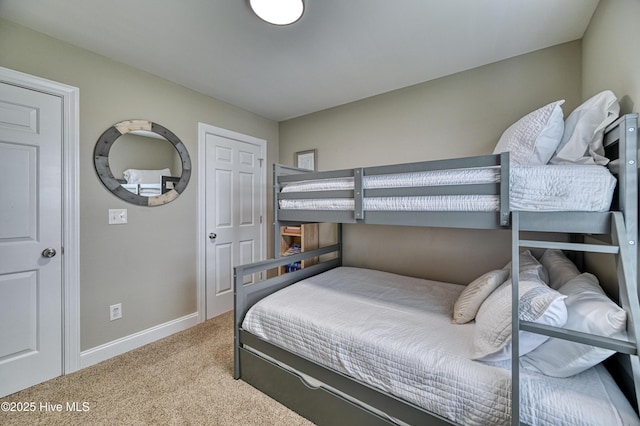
[[70, 206], [203, 130]]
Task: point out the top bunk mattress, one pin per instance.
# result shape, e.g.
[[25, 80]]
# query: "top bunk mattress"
[[532, 188], [395, 334]]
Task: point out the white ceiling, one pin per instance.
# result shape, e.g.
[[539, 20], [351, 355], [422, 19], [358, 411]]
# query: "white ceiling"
[[339, 52]]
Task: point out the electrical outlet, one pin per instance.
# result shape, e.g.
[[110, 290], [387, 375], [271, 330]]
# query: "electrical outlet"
[[115, 311], [117, 216]]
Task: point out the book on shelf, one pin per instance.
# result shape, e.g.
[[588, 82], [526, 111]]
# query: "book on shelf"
[[292, 230]]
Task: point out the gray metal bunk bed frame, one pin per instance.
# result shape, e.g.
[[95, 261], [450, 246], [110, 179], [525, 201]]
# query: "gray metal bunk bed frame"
[[343, 400]]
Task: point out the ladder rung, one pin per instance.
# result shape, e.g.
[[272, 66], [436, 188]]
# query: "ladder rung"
[[593, 248], [622, 346]]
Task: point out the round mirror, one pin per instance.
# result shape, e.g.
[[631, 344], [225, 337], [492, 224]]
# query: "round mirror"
[[148, 166]]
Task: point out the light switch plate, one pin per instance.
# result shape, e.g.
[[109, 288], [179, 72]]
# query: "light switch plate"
[[117, 216]]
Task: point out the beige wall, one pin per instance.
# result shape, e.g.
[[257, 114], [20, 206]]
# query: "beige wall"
[[459, 115], [611, 60], [462, 115], [149, 265]]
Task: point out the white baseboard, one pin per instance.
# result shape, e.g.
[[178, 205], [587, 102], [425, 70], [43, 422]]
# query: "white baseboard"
[[118, 347]]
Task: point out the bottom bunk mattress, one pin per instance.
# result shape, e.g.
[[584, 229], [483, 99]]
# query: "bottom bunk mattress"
[[395, 333]]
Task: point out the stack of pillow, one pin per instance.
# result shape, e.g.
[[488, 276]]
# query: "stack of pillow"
[[543, 137], [552, 292]]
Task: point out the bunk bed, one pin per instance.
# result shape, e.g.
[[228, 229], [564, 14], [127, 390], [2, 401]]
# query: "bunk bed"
[[278, 354]]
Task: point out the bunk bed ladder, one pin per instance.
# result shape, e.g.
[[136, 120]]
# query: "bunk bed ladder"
[[623, 246], [626, 265]]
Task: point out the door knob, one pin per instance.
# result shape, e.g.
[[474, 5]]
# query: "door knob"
[[48, 252], [212, 236]]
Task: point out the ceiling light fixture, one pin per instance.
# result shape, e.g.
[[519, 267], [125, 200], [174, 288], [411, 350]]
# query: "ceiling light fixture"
[[278, 12]]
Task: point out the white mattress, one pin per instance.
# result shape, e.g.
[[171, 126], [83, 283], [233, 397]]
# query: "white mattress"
[[532, 188], [395, 333]]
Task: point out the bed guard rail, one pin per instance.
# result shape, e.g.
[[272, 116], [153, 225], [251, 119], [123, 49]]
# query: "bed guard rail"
[[247, 294], [284, 175], [621, 143]]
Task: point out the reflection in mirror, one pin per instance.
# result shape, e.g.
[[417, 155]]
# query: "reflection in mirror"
[[141, 160], [148, 165]]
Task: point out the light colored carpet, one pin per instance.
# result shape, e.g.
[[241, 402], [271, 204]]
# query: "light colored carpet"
[[184, 379]]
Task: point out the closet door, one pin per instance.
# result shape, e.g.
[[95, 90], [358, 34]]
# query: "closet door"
[[30, 237], [233, 216]]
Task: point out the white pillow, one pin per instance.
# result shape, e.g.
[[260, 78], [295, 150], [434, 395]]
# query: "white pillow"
[[469, 301], [589, 310], [530, 268], [534, 138], [560, 268], [538, 303], [584, 131], [145, 176]]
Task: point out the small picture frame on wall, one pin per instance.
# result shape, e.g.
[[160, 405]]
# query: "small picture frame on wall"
[[307, 160]]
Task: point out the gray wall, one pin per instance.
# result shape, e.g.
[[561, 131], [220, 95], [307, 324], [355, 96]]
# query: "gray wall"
[[455, 116], [149, 265]]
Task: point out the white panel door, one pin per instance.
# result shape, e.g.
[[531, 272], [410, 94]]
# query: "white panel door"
[[30, 224], [233, 179]]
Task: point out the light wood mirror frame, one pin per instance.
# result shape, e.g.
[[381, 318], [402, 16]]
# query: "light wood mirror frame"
[[101, 162]]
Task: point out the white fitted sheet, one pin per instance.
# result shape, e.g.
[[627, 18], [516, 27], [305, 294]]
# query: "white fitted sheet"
[[395, 333], [532, 188]]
